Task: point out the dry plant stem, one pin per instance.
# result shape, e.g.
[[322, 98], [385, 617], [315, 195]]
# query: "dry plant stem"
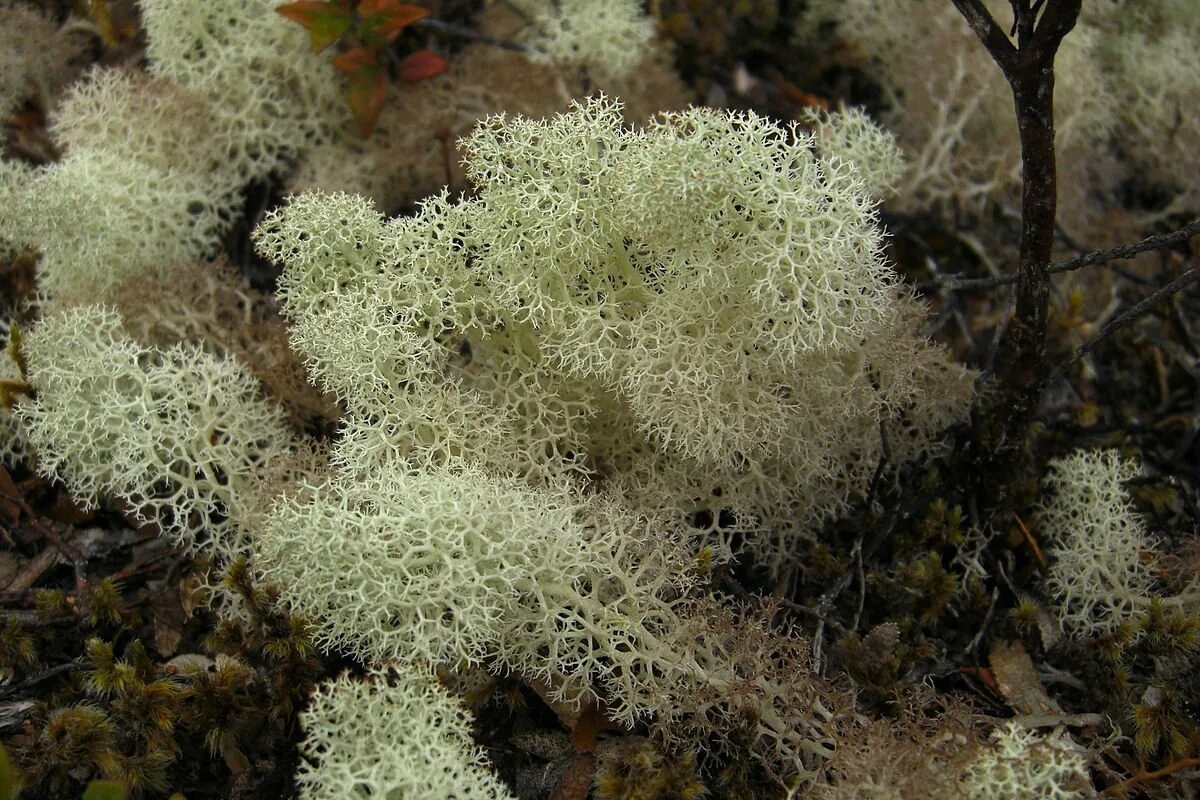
[[1122, 789], [1028, 66]]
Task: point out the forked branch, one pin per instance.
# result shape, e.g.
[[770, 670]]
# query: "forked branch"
[[1028, 65]]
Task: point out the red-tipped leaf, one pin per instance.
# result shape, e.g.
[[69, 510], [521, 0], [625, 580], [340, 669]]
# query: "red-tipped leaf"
[[325, 21]]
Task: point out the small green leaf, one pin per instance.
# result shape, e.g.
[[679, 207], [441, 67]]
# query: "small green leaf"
[[105, 790], [325, 21], [10, 779]]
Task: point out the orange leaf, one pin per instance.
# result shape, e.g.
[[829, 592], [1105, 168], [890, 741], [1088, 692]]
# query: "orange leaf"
[[325, 21], [355, 60], [386, 18], [421, 66]]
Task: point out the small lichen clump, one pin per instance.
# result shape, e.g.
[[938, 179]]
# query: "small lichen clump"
[[1103, 560], [154, 164], [395, 735], [38, 56], [1019, 763], [176, 433], [608, 37]]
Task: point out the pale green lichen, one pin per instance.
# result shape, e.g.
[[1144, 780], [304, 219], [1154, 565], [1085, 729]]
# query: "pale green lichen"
[[696, 316], [1102, 556], [608, 37], [393, 735], [176, 433]]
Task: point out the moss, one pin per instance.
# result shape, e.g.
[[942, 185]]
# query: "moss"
[[638, 770], [126, 713]]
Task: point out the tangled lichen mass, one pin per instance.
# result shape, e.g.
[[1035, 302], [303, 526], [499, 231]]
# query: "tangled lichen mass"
[[654, 400]]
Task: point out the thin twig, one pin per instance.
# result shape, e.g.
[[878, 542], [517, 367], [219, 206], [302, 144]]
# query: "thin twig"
[[8, 691], [825, 605], [69, 551], [1028, 67], [987, 621], [1115, 324], [460, 32], [1097, 257]]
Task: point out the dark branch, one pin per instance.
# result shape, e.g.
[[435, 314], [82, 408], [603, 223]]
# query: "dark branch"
[[1021, 357], [989, 32], [1058, 20]]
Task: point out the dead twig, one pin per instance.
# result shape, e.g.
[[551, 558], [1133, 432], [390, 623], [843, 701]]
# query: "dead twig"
[[69, 551]]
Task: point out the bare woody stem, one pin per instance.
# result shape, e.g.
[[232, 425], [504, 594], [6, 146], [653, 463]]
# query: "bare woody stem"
[[1028, 66]]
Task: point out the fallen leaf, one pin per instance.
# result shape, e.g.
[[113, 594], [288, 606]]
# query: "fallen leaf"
[[169, 618], [1048, 628], [1018, 681], [192, 594], [421, 66], [234, 758]]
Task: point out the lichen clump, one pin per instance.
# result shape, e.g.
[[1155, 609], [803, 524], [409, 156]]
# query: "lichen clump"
[[696, 316]]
